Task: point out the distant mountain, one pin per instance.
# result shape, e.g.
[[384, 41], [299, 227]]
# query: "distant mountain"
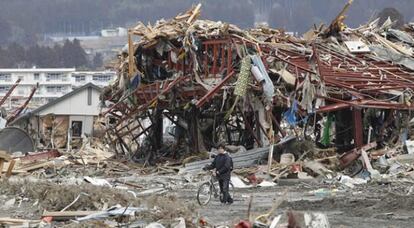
[[26, 21]]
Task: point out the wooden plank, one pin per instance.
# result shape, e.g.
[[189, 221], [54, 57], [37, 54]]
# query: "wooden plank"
[[15, 168], [36, 166], [14, 221], [194, 14], [131, 62], [179, 17], [366, 161], [4, 155], [10, 169], [68, 214], [1, 166]]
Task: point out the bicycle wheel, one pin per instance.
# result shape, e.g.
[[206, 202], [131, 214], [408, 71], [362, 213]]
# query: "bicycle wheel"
[[204, 193]]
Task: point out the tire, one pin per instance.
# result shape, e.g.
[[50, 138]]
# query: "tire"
[[204, 193]]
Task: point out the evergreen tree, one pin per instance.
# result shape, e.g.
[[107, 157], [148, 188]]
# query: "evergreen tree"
[[79, 55], [393, 14], [97, 61], [73, 54]]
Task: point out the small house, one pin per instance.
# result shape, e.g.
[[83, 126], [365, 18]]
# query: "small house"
[[64, 120]]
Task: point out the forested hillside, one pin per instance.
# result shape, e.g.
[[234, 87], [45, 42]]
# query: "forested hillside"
[[25, 21]]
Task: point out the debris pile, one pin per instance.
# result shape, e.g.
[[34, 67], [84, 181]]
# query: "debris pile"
[[85, 187], [201, 82], [331, 108]]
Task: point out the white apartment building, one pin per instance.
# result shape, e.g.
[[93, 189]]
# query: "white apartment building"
[[114, 32], [53, 83]]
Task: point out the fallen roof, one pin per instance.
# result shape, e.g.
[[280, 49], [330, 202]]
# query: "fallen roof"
[[36, 70]]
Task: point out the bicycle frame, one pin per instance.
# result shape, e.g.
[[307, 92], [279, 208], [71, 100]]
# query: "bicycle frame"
[[213, 181], [213, 184]]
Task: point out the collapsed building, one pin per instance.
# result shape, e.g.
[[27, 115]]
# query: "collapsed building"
[[315, 103], [335, 86]]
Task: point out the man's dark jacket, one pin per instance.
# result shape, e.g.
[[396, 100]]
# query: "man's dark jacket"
[[223, 165]]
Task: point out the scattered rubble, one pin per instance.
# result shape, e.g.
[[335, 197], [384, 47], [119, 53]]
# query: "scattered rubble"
[[326, 116]]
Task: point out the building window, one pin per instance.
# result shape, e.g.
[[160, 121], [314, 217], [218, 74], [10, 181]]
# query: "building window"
[[4, 89], [36, 77], [55, 89], [80, 78], [51, 89], [55, 77], [5, 77], [14, 101], [21, 78], [21, 92], [102, 78], [37, 99], [76, 128]]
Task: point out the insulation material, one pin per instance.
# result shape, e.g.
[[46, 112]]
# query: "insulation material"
[[320, 102], [308, 95], [257, 74], [243, 80], [268, 87]]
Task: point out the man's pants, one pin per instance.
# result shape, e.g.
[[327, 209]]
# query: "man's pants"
[[224, 189]]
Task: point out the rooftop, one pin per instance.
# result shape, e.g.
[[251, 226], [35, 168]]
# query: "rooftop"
[[35, 70]]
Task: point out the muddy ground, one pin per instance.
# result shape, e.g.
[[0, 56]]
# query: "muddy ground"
[[367, 206], [376, 204]]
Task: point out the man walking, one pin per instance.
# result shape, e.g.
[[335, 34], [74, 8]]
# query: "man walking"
[[223, 165]]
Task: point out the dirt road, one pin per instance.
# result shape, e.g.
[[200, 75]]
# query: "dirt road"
[[370, 205]]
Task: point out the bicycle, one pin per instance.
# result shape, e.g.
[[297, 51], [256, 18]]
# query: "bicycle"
[[211, 188]]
